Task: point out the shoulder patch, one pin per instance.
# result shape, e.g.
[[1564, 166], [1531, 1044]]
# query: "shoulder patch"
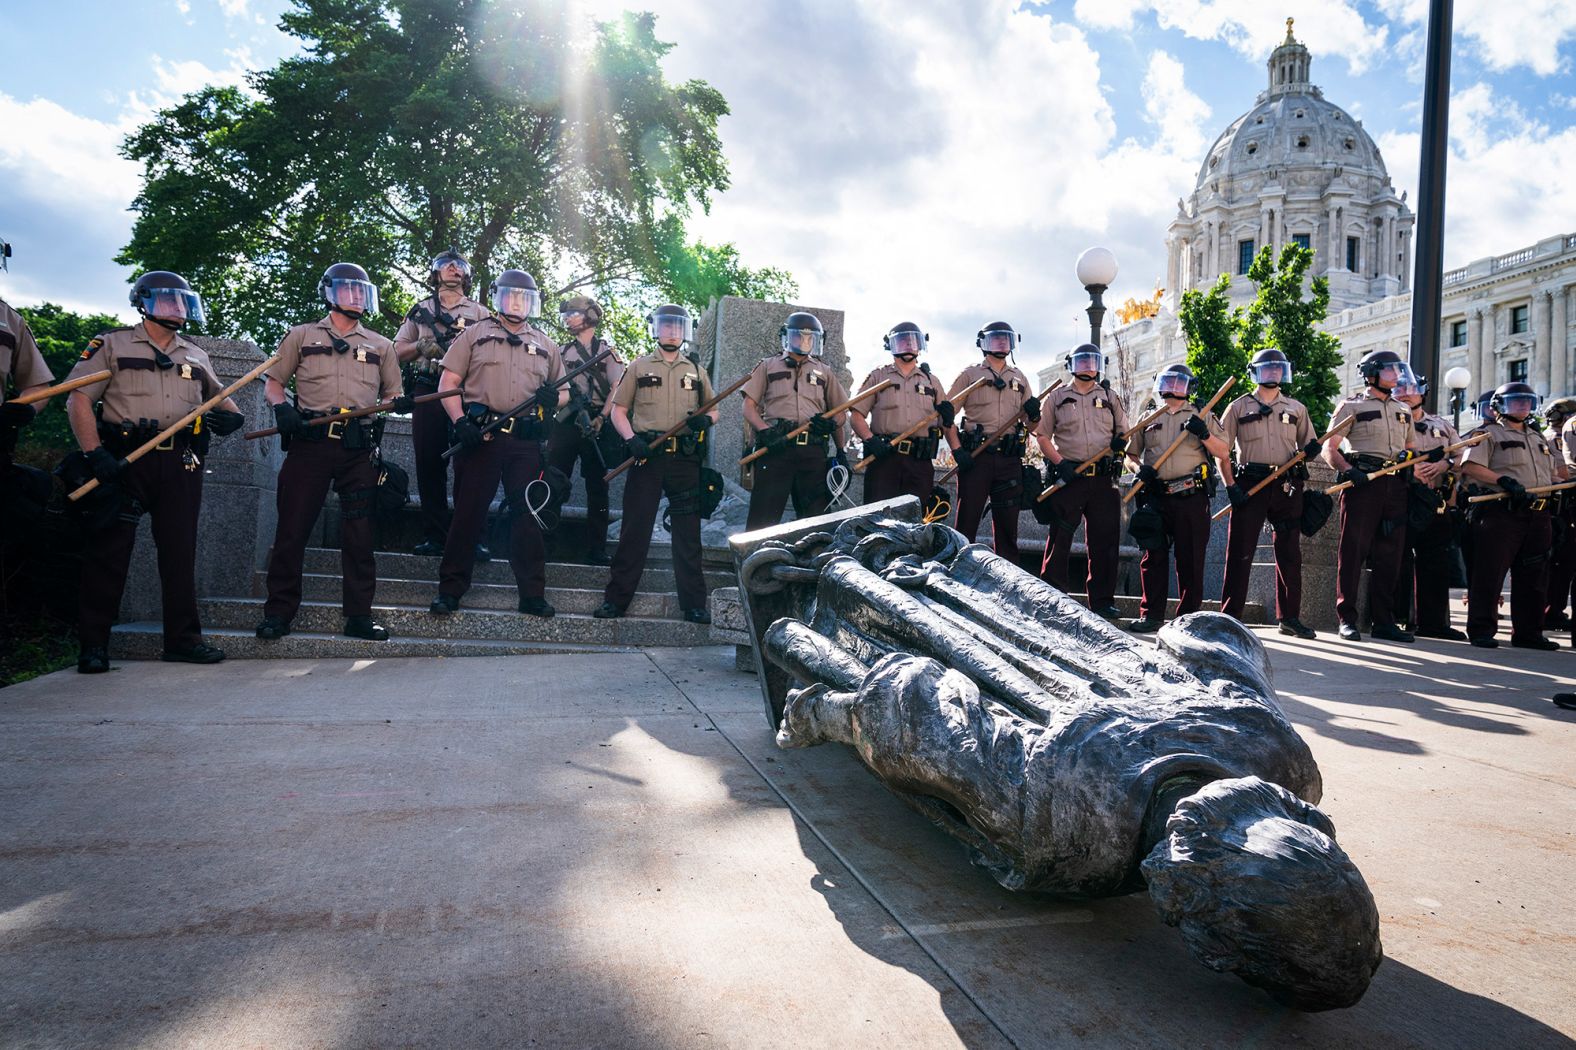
[[94, 345]]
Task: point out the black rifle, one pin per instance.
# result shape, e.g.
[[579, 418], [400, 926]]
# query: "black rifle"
[[538, 398]]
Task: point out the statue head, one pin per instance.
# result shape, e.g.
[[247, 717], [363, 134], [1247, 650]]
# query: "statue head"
[[1253, 878]]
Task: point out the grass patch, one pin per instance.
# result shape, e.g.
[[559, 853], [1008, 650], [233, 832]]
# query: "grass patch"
[[33, 646]]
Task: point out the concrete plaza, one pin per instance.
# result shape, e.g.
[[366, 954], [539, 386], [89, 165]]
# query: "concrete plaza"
[[610, 851]]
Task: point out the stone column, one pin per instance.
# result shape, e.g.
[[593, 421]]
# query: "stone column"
[[1483, 374], [1173, 264], [1538, 372], [1337, 242], [1561, 380], [1474, 346]]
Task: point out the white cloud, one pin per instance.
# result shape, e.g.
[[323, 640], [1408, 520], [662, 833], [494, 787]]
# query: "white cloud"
[[52, 154], [1508, 183], [1504, 33], [234, 8]]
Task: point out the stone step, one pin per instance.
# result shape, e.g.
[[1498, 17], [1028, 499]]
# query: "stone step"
[[144, 640], [413, 621], [658, 577], [322, 587]]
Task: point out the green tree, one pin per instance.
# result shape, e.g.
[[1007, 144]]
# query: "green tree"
[[515, 130], [1280, 316], [1211, 326], [61, 336]]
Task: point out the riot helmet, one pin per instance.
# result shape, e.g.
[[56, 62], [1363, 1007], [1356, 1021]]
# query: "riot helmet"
[[997, 339], [1516, 400], [1379, 367], [670, 326], [802, 335], [1085, 362], [1270, 367], [347, 290], [905, 341], [1175, 381], [515, 296], [167, 300]]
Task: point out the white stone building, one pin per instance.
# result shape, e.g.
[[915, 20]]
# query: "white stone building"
[[1296, 167]]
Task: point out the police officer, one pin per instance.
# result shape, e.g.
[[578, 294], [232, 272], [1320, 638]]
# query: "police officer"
[[1557, 417], [338, 365], [1077, 423], [156, 377], [658, 392], [1179, 489], [993, 473], [22, 367], [903, 467], [575, 432], [1422, 591], [1265, 429], [1512, 534], [500, 362], [1373, 511], [430, 328], [781, 394]]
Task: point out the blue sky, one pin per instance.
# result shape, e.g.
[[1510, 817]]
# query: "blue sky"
[[933, 160]]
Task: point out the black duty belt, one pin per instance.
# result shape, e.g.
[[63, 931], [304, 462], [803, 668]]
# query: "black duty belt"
[[127, 435], [919, 447], [683, 444], [1194, 484], [338, 430], [784, 427], [1367, 462], [523, 426]]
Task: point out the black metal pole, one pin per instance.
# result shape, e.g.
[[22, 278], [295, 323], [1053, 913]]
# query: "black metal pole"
[[1429, 270], [1096, 311]]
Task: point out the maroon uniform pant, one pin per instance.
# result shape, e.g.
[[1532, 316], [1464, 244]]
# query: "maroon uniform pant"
[[171, 495], [1283, 511], [1095, 502], [900, 474], [568, 446], [429, 435], [477, 471], [1517, 542], [677, 476], [799, 471], [1562, 564], [998, 479], [1186, 520], [1422, 590], [310, 468], [1373, 531]]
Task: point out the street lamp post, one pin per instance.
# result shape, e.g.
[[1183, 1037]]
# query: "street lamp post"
[[1096, 271], [1457, 379]]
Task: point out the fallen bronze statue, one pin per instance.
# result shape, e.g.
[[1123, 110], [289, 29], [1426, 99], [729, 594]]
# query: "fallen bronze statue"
[[1069, 757]]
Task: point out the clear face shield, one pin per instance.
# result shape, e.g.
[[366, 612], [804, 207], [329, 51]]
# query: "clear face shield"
[[803, 342], [174, 306], [516, 303], [1408, 391], [1519, 406], [670, 331], [905, 345], [999, 344], [1271, 373], [353, 297], [1172, 384], [1087, 365], [1392, 375]]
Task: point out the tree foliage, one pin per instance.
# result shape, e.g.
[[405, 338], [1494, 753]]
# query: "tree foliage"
[[1221, 340], [61, 336], [515, 130]]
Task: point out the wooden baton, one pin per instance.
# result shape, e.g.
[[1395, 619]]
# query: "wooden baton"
[[991, 440], [1342, 486], [671, 431], [924, 423], [828, 414], [1538, 491], [69, 385], [1132, 493], [1127, 435], [357, 413], [1283, 468]]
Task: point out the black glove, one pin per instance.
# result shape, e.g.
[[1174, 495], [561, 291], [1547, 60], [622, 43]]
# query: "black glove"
[[1119, 444], [837, 459], [16, 416], [105, 466], [1357, 477], [1147, 474], [879, 446], [1031, 410], [403, 404], [821, 427], [698, 423], [1066, 470], [964, 459], [287, 419], [222, 421], [1236, 494], [1196, 426], [947, 413], [1515, 490], [1434, 455], [1312, 449], [466, 433], [773, 441], [638, 449]]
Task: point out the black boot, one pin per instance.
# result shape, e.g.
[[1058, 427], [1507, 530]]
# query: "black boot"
[[537, 607], [365, 627], [199, 653], [273, 627], [93, 659]]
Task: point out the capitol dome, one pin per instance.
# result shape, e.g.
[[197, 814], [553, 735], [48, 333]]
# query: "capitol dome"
[[1291, 127]]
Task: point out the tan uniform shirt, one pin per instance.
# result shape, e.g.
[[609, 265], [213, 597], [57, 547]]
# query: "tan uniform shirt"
[[423, 338], [1383, 427], [1523, 454], [138, 388], [899, 407], [987, 406], [596, 385], [1568, 444], [1433, 432], [1154, 439], [660, 395], [498, 373], [328, 379], [782, 392], [1271, 437], [20, 360], [1081, 426]]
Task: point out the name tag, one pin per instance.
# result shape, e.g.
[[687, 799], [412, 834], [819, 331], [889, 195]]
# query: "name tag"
[[648, 381], [772, 377], [1368, 417], [1512, 444], [1156, 425]]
